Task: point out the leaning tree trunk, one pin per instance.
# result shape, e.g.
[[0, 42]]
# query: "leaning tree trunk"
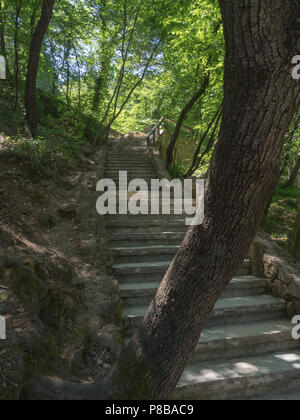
[[260, 100], [185, 111], [33, 62]]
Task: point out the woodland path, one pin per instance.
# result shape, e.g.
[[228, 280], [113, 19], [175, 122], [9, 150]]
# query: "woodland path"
[[246, 350]]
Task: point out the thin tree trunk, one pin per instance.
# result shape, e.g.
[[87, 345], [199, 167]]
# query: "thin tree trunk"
[[124, 53], [136, 85], [2, 41], [104, 131], [16, 48], [198, 159], [294, 239], [294, 174], [182, 117], [79, 76], [33, 19], [97, 92], [33, 62], [261, 99]]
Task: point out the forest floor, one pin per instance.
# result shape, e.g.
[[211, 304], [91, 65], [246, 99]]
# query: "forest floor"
[[40, 240]]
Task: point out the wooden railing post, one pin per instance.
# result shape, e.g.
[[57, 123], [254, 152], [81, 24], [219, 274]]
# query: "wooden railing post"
[[154, 134]]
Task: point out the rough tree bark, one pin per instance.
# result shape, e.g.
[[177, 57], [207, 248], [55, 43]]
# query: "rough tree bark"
[[260, 100], [185, 111], [33, 62], [3, 50]]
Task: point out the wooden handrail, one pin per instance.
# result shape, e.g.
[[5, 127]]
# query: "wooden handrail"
[[155, 133]]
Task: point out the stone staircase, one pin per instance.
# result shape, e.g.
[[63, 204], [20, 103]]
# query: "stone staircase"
[[246, 351]]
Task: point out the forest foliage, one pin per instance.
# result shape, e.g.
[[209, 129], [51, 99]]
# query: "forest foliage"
[[122, 65]]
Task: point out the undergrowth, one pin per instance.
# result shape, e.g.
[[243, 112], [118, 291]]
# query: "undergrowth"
[[63, 133], [280, 219]]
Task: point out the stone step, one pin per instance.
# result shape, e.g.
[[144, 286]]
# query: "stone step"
[[145, 253], [148, 229], [139, 239], [110, 219], [144, 177], [137, 294], [244, 339], [145, 250], [283, 394], [157, 276], [153, 267], [227, 311], [244, 377], [120, 163], [131, 178], [135, 173], [132, 156], [134, 161], [123, 166], [145, 223], [182, 210]]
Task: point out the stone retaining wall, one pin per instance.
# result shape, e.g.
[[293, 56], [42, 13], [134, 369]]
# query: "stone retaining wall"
[[282, 271]]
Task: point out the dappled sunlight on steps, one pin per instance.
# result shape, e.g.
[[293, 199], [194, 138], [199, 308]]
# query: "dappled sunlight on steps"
[[246, 350]]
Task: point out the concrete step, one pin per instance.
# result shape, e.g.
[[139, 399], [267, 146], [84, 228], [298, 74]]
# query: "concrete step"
[[133, 176], [134, 173], [130, 178], [157, 267], [283, 394], [130, 157], [244, 377], [180, 212], [148, 229], [110, 219], [162, 223], [227, 311], [114, 163], [143, 254], [137, 294], [245, 339], [139, 239], [123, 166], [158, 276]]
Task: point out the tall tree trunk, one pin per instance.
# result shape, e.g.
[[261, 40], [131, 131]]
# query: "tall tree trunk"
[[2, 41], [210, 143], [185, 111], [33, 62], [33, 19], [261, 98], [16, 48], [67, 61], [294, 174], [97, 92]]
